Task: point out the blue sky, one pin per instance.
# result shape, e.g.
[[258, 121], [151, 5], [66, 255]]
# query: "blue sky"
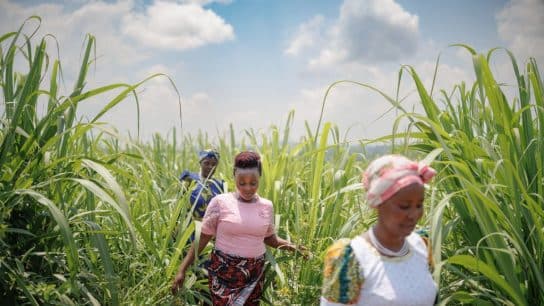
[[249, 62]]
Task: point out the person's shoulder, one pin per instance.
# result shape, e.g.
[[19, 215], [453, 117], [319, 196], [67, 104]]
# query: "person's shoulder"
[[420, 235], [265, 201], [420, 239], [338, 248], [187, 175], [218, 182], [223, 197], [342, 280], [423, 232], [219, 202]]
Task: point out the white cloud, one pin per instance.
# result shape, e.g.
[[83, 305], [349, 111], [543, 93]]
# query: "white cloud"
[[307, 35], [168, 25], [204, 2], [122, 59], [328, 58], [348, 105], [70, 27], [365, 42], [520, 24], [364, 111], [160, 110], [377, 30], [365, 31], [162, 25], [160, 107], [356, 110]]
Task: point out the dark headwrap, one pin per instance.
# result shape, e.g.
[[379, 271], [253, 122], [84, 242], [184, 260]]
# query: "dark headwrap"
[[208, 153]]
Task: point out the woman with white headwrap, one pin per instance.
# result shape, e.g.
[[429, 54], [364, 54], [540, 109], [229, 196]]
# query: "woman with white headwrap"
[[389, 264]]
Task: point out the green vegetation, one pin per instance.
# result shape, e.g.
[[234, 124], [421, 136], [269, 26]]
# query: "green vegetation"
[[87, 217]]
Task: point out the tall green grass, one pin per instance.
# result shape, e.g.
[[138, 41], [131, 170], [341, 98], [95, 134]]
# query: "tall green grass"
[[90, 217], [65, 214], [487, 207], [491, 168]]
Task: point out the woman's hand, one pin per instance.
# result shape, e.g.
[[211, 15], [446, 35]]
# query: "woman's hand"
[[282, 244], [188, 260], [178, 282], [302, 250]]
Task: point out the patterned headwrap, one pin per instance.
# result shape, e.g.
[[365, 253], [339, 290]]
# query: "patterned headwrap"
[[208, 153], [388, 174]]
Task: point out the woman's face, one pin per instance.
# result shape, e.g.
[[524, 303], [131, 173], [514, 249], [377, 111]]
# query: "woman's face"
[[399, 214], [247, 184], [207, 167]]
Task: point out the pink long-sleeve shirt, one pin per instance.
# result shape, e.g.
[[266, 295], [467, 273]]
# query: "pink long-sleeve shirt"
[[239, 227]]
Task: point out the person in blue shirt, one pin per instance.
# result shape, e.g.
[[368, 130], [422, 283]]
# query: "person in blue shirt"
[[203, 186]]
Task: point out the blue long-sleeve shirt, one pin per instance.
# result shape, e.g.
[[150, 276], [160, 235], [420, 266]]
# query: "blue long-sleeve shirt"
[[202, 192]]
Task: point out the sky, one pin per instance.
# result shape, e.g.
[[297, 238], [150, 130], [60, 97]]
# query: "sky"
[[250, 62]]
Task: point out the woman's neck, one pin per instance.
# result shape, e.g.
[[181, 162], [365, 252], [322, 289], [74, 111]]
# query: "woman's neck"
[[239, 197], [387, 239]]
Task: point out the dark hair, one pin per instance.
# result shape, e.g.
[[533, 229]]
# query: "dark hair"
[[248, 159]]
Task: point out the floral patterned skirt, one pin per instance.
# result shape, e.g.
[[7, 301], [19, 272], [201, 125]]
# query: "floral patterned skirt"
[[235, 280]]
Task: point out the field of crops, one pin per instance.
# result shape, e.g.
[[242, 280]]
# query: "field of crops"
[[87, 216]]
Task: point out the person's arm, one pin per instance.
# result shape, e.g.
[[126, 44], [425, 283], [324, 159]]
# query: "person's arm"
[[188, 260], [187, 180], [209, 228], [279, 243], [342, 275], [274, 241]]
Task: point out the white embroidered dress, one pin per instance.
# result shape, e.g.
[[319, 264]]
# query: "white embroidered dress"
[[393, 281]]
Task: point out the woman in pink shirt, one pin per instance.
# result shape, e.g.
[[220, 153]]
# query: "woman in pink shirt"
[[242, 223]]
